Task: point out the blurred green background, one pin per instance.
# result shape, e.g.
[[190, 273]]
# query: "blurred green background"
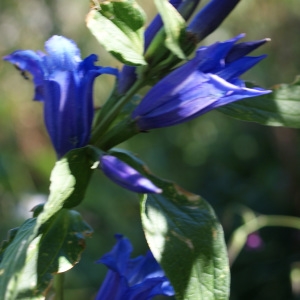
[[228, 162]]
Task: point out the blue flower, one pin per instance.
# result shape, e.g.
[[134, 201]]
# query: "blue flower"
[[206, 82], [140, 278], [125, 176], [64, 83]]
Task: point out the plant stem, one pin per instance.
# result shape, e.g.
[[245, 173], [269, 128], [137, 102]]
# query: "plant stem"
[[107, 119], [239, 236], [59, 286]]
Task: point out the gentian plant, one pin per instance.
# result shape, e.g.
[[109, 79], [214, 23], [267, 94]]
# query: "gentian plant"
[[185, 80]]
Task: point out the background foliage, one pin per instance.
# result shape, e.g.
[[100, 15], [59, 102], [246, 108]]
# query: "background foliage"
[[229, 162]]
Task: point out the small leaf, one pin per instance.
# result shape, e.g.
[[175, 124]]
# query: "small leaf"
[[62, 243], [186, 238], [281, 108], [118, 27], [174, 26], [69, 180]]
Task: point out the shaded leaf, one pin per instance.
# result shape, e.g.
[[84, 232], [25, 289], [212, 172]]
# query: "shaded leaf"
[[118, 27], [61, 244], [281, 108]]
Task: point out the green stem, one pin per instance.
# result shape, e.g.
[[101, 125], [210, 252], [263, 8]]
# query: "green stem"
[[239, 236], [113, 98], [109, 117], [59, 286], [118, 134]]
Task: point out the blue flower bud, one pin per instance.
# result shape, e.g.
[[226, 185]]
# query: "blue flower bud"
[[210, 17], [126, 176]]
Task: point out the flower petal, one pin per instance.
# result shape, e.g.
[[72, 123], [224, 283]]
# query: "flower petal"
[[125, 176], [238, 67], [32, 62], [118, 257], [242, 49], [64, 54]]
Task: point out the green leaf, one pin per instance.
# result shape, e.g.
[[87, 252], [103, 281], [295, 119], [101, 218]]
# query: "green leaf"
[[174, 26], [187, 239], [119, 28], [69, 180], [19, 257], [30, 260], [20, 254], [61, 244], [185, 236], [281, 108]]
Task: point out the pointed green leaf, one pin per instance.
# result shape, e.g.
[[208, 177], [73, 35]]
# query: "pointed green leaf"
[[185, 236], [118, 27], [174, 26], [281, 108]]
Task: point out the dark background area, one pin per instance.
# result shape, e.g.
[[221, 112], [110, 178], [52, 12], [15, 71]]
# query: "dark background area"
[[228, 162]]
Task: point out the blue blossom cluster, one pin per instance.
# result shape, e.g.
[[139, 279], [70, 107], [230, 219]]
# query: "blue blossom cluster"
[[64, 83]]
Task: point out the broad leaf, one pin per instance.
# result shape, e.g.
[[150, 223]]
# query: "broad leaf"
[[174, 26], [186, 238], [281, 108], [118, 27]]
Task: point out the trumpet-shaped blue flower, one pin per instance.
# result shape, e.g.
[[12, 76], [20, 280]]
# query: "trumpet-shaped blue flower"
[[206, 82], [64, 83], [140, 278], [126, 176]]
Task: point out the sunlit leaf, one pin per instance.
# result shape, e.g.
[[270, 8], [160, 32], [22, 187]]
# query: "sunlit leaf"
[[174, 26], [119, 28]]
